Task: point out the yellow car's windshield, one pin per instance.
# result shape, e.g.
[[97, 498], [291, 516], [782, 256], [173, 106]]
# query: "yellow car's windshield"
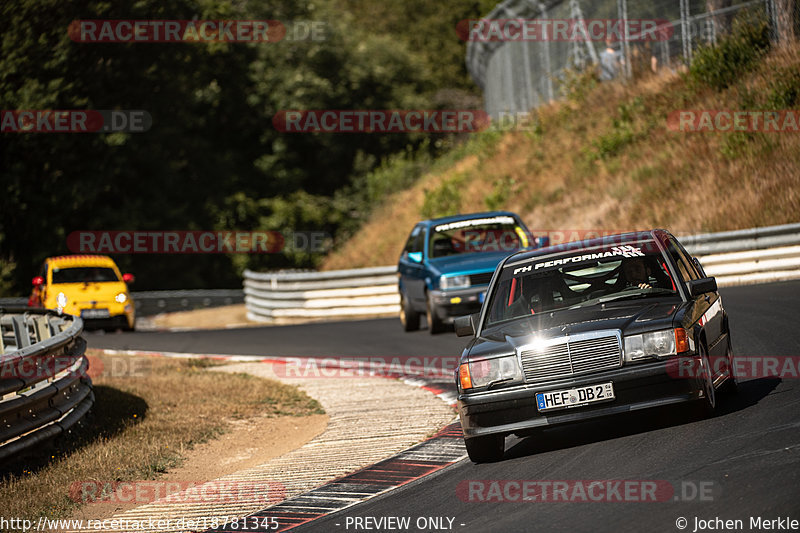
[[84, 275]]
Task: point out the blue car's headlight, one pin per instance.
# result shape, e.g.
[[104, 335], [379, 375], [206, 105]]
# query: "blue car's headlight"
[[454, 282]]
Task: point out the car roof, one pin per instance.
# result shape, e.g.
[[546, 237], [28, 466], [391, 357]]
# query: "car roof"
[[575, 246], [467, 216], [81, 260]]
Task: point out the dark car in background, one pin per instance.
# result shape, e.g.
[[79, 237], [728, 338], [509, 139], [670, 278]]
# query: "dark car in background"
[[590, 329], [447, 264]]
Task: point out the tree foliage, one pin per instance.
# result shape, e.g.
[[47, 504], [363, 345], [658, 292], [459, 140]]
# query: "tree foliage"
[[212, 159]]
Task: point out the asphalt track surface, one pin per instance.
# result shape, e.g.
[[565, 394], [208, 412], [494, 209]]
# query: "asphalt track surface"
[[743, 463]]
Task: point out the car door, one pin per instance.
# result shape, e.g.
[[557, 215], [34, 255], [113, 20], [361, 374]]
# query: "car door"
[[714, 317], [411, 268], [708, 306]]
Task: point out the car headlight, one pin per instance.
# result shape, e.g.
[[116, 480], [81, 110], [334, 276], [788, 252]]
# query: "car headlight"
[[482, 372], [61, 299], [121, 298], [454, 282], [656, 344]]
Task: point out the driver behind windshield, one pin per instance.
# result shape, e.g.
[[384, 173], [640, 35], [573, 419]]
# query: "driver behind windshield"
[[636, 273], [644, 273]]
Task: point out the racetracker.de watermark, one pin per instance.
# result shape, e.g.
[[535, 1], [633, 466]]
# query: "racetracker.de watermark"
[[744, 367], [578, 239], [176, 31], [74, 121], [381, 121], [563, 236], [197, 242], [583, 490], [45, 367], [728, 121], [50, 367], [177, 492], [369, 366], [564, 30], [493, 240]]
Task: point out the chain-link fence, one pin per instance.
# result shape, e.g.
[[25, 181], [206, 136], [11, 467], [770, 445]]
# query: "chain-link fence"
[[518, 57]]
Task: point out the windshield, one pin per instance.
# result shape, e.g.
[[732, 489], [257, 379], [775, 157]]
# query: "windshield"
[[578, 280], [84, 275], [496, 234]]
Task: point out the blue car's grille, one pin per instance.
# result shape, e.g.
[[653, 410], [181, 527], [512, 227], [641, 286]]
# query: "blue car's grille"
[[480, 279], [569, 356]]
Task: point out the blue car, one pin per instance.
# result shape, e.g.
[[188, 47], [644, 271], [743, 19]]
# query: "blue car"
[[447, 264]]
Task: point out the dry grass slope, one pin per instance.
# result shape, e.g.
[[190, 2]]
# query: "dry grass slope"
[[605, 159]]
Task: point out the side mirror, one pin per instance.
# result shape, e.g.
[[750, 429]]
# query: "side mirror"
[[466, 326], [702, 286], [128, 278], [38, 281], [698, 266], [416, 257]]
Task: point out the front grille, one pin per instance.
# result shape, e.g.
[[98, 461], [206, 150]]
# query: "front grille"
[[569, 356], [480, 279]]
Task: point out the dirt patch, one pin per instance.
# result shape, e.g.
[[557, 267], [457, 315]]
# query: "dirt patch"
[[249, 443], [230, 316], [212, 318]]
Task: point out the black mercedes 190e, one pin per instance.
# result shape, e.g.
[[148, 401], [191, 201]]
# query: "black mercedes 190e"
[[590, 329]]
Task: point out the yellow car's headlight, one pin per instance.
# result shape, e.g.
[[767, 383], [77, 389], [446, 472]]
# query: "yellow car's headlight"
[[61, 299], [121, 298]]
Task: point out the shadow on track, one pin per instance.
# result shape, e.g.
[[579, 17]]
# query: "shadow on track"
[[623, 425]]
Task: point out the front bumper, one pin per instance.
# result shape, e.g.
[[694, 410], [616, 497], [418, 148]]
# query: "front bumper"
[[120, 315], [114, 322], [457, 302], [513, 409]]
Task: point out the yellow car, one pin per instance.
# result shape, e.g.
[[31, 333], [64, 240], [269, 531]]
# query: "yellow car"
[[88, 286]]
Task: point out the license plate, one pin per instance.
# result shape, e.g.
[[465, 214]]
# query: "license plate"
[[577, 397], [481, 297], [94, 313]]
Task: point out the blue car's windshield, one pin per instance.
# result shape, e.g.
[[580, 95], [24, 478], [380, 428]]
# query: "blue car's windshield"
[[494, 234]]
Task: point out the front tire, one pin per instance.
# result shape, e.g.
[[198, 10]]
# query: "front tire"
[[707, 405], [127, 325], [486, 449], [435, 324], [408, 317], [731, 385]]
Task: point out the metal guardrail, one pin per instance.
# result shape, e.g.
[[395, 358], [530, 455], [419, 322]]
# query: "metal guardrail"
[[734, 257], [742, 240], [279, 296], [149, 303], [756, 255], [13, 302], [44, 387]]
